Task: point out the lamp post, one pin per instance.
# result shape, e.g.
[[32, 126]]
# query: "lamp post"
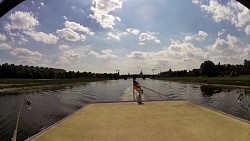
[[153, 71]]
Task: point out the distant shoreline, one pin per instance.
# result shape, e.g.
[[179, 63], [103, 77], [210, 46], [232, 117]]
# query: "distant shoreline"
[[233, 82], [8, 85]]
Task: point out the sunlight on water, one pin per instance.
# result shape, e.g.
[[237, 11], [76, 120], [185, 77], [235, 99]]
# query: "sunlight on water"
[[127, 95]]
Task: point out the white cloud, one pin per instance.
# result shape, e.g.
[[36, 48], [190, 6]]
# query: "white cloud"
[[62, 47], [4, 46], [71, 54], [137, 55], [22, 21], [201, 35], [247, 30], [221, 32], [141, 43], [133, 31], [42, 37], [157, 41], [70, 34], [116, 37], [25, 53], [224, 47], [174, 56], [63, 61], [233, 12], [102, 10], [2, 37], [69, 31], [67, 55], [105, 54], [148, 36], [77, 9], [42, 3], [65, 18], [111, 36], [232, 40], [23, 40], [77, 27]]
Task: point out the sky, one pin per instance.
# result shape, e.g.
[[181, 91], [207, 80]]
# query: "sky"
[[126, 35]]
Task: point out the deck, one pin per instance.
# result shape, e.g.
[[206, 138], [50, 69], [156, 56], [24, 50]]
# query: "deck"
[[156, 120]]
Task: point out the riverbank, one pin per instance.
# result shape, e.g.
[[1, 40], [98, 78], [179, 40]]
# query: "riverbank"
[[24, 84], [240, 81]]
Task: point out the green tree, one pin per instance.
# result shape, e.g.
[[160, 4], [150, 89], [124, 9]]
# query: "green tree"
[[208, 68]]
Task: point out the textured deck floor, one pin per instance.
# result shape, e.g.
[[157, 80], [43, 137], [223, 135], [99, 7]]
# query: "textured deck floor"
[[153, 121]]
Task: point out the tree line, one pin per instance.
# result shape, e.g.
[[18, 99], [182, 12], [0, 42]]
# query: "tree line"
[[209, 69], [31, 72]]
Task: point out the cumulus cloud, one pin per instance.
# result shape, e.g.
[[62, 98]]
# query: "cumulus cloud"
[[67, 55], [22, 21], [201, 35], [102, 12], [62, 47], [26, 55], [71, 29], [233, 12], [228, 50], [133, 31], [2, 37], [78, 27], [137, 55], [116, 37], [63, 61], [111, 36], [70, 34], [148, 36], [23, 40], [77, 9], [42, 37], [226, 47], [175, 56], [105, 54], [221, 32], [71, 54], [247, 30], [4, 46]]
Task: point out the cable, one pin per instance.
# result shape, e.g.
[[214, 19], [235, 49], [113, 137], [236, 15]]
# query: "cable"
[[161, 95]]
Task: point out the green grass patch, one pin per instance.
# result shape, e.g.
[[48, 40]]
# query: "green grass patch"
[[243, 80]]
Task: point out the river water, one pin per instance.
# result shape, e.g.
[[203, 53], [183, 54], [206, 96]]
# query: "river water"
[[51, 105]]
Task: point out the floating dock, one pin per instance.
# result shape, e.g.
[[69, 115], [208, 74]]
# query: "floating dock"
[[152, 121]]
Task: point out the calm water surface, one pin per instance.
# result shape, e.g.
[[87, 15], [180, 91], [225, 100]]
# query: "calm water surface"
[[51, 105]]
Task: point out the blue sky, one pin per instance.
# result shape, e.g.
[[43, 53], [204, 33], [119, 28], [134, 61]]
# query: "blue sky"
[[126, 35]]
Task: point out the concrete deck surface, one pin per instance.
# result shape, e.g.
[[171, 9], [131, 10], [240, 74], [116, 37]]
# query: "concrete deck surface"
[[152, 121]]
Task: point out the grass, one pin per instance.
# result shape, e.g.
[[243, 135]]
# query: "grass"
[[243, 80], [19, 83]]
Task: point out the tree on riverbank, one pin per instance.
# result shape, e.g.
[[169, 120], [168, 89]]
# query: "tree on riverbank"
[[208, 68]]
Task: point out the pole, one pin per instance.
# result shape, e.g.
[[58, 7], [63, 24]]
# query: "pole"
[[247, 105], [15, 132], [133, 89]]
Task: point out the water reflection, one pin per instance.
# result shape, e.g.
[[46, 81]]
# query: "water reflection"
[[208, 91]]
